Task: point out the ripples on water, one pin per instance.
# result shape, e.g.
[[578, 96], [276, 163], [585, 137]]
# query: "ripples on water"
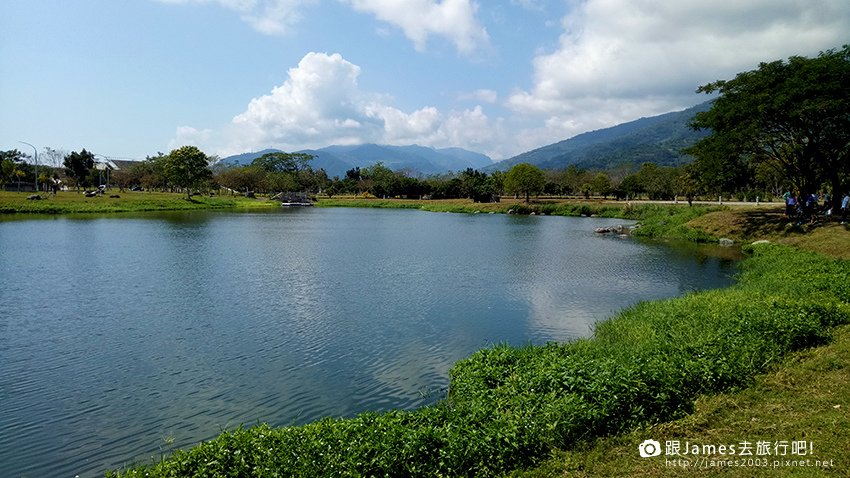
[[124, 337]]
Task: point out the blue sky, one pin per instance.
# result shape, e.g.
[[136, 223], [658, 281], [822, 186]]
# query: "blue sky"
[[129, 78]]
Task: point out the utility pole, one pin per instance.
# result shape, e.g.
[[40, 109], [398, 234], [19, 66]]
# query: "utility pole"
[[36, 162]]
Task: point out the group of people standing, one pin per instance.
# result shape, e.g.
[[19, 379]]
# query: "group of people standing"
[[809, 207]]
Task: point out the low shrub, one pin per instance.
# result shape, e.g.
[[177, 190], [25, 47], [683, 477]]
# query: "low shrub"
[[670, 222]]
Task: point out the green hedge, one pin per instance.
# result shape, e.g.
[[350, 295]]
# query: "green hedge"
[[508, 407]]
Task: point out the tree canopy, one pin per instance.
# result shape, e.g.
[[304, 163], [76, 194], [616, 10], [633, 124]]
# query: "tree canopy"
[[186, 167], [525, 179], [280, 162], [78, 166], [11, 163], [792, 117]]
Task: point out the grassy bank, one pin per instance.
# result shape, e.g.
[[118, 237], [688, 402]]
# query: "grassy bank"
[[806, 397], [553, 207], [512, 408], [658, 221], [70, 202], [768, 223]]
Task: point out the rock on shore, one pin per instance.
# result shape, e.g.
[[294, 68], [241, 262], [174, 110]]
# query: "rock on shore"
[[620, 229]]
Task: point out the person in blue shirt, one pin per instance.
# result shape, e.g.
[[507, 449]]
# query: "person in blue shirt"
[[790, 204]]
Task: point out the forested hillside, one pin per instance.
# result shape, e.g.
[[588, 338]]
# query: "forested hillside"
[[658, 139]]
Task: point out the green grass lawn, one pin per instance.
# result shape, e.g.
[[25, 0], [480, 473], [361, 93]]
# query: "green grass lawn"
[[805, 397], [71, 202], [768, 223]]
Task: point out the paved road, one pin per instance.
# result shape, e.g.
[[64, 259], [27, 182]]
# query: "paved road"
[[715, 203]]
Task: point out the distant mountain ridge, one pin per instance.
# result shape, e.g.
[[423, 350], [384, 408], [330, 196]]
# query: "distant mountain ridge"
[[336, 160], [657, 139]]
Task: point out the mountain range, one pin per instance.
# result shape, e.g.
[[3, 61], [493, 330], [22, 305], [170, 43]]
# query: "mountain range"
[[336, 160], [657, 139]]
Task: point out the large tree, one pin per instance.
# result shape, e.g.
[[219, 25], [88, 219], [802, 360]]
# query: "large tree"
[[381, 180], [525, 179], [280, 162], [9, 165], [475, 185], [790, 116], [186, 168], [78, 166]]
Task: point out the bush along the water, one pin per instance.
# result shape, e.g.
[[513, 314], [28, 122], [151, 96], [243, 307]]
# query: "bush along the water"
[[509, 407], [669, 222]]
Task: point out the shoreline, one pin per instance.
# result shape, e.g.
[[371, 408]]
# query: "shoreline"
[[70, 202], [489, 397], [663, 221]]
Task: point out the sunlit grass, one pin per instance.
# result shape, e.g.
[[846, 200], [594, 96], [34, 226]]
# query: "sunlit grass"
[[804, 397], [768, 223], [72, 202]]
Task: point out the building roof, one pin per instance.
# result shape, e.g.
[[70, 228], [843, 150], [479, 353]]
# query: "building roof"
[[123, 163]]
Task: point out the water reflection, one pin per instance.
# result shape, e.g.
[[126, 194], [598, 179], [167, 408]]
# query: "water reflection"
[[118, 331]]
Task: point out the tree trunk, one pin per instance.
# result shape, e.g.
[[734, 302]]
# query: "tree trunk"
[[837, 194]]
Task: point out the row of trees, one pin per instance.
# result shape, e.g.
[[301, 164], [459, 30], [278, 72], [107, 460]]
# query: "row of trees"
[[189, 169], [77, 168], [184, 168], [525, 180]]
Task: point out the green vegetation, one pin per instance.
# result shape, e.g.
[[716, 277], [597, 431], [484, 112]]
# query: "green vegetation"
[[670, 222], [273, 173], [13, 167], [67, 202], [511, 408], [769, 223], [804, 397], [658, 221], [525, 179], [78, 167], [186, 168], [787, 121]]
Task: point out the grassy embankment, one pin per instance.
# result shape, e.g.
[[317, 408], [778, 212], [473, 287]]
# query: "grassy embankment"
[[511, 408], [71, 202], [805, 396], [659, 221]]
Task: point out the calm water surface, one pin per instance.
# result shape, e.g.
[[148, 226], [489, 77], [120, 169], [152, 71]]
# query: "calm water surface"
[[124, 337]]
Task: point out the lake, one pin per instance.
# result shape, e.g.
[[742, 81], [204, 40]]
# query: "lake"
[[123, 337]]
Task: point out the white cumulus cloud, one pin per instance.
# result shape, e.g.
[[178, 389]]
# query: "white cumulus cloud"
[[618, 60], [419, 19], [320, 104]]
